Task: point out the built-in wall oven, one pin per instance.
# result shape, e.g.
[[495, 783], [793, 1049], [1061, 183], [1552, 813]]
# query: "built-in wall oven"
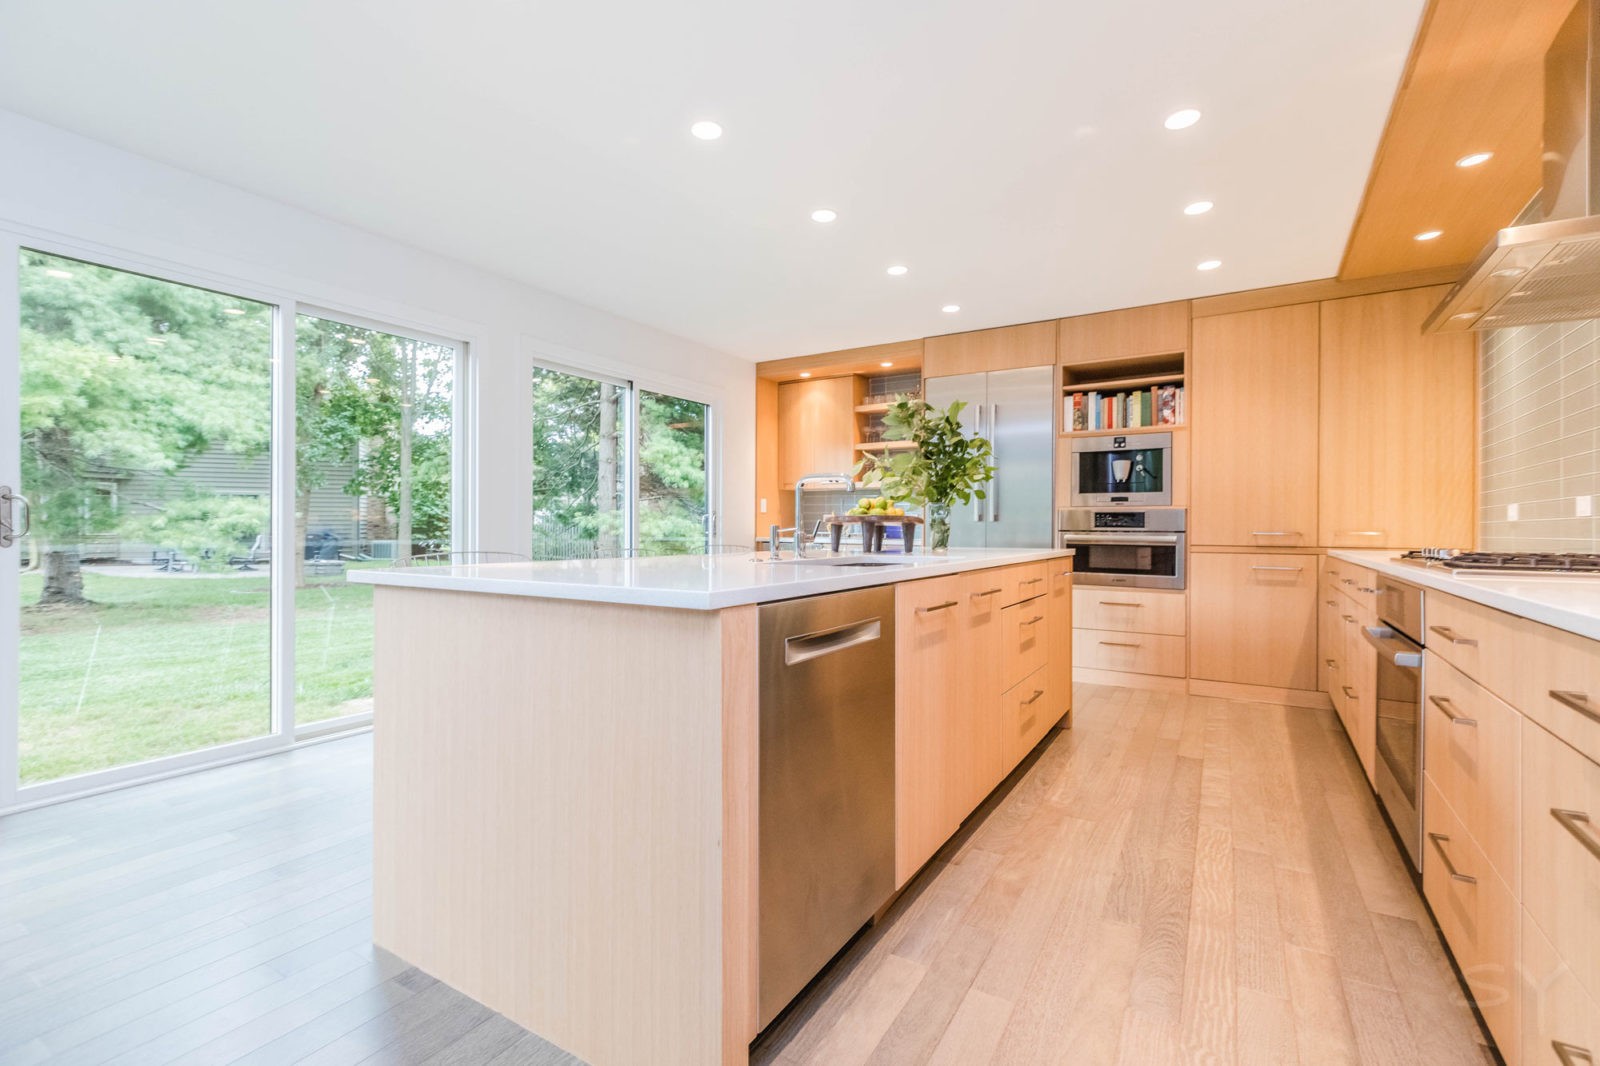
[[1122, 471], [1125, 546], [1397, 769]]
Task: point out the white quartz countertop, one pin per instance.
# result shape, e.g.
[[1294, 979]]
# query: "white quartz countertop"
[[1570, 602], [696, 582]]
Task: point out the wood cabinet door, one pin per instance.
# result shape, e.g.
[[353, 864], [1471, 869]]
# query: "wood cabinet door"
[[978, 730], [816, 429], [1253, 428], [1358, 685], [1398, 418], [929, 623], [1111, 336], [1254, 619], [1061, 610], [1006, 348]]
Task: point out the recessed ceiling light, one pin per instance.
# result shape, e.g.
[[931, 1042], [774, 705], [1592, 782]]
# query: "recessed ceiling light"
[[706, 130], [1182, 120], [1429, 234], [1475, 159], [805, 373], [54, 273], [886, 365], [1199, 207], [950, 309], [233, 310], [824, 214], [896, 270], [1208, 264]]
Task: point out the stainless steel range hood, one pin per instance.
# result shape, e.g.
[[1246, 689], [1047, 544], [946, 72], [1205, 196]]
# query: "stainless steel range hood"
[[1545, 267]]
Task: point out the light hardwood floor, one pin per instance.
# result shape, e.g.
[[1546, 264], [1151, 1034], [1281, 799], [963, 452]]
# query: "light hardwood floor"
[[221, 917], [1177, 879]]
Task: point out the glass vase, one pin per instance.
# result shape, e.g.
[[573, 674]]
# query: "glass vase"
[[938, 528]]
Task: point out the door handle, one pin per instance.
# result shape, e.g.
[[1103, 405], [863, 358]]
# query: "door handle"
[[1578, 701], [804, 647], [1449, 634], [1575, 822], [1444, 703], [9, 534], [1119, 603], [1400, 653], [1572, 1054], [1285, 569], [1349, 695], [977, 502], [1439, 841], [994, 461], [945, 606]]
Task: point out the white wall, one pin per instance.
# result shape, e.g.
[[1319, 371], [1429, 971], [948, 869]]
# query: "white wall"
[[107, 203]]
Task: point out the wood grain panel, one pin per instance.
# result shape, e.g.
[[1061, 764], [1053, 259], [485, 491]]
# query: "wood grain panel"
[[927, 631], [1253, 414], [1063, 609], [1302, 292], [1474, 83], [816, 432], [767, 480], [741, 873], [1255, 619], [905, 355], [1006, 348], [1130, 610], [541, 844], [1134, 653], [1112, 336], [1398, 451]]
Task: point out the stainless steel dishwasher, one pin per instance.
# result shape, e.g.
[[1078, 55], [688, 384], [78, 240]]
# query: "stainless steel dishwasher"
[[827, 782]]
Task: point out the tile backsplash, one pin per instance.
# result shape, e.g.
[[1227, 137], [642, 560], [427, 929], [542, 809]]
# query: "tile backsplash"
[[1540, 438]]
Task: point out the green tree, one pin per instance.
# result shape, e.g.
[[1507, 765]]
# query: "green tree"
[[577, 463], [672, 473], [124, 375]]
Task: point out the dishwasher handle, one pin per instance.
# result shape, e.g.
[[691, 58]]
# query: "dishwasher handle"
[[803, 647], [1401, 652]]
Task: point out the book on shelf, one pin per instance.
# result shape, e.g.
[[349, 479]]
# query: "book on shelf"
[[1090, 409]]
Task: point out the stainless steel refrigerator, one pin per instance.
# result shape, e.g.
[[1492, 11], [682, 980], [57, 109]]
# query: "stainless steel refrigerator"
[[1016, 411]]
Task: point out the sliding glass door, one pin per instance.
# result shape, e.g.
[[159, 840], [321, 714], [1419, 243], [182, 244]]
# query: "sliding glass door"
[[144, 454], [618, 470], [186, 478]]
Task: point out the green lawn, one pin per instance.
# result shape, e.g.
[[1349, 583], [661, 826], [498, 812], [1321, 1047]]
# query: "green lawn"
[[165, 665]]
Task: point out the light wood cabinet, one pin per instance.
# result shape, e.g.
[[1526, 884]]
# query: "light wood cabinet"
[[1062, 608], [1561, 849], [1556, 1008], [816, 430], [1113, 336], [978, 681], [1129, 653], [930, 771], [1398, 416], [1253, 428], [1006, 348], [1258, 625], [1129, 610], [1358, 684], [1025, 639], [1025, 716], [1473, 740]]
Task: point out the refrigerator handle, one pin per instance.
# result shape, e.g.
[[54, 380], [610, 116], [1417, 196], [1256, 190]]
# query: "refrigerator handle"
[[994, 460], [977, 504]]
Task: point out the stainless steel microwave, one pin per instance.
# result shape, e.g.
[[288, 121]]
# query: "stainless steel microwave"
[[1122, 471]]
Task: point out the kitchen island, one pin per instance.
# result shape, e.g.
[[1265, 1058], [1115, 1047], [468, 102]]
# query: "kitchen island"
[[566, 769]]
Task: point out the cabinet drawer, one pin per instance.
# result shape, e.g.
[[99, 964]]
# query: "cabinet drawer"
[[1472, 740], [1474, 639], [1561, 849], [1557, 683], [1132, 653], [1023, 582], [1025, 716], [1127, 611], [1555, 1006], [1025, 639], [1476, 912]]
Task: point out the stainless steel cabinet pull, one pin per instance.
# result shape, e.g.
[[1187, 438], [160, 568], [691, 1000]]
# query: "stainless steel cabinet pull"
[[1031, 621], [1575, 822], [1119, 603], [994, 461], [1571, 1054], [937, 607], [1272, 533], [1330, 603], [1348, 580], [986, 592], [1033, 581], [1332, 664], [807, 646], [1392, 647], [1288, 569], [1578, 701], [1120, 644], [1444, 704], [1348, 617], [1439, 841], [1363, 588], [1065, 573], [1348, 694], [977, 504], [9, 533], [1036, 694], [1449, 634]]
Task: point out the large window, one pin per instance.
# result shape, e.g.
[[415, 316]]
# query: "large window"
[[618, 470], [187, 530], [373, 419], [145, 450]]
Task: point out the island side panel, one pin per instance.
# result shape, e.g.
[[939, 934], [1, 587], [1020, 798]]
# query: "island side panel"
[[741, 764], [548, 789]]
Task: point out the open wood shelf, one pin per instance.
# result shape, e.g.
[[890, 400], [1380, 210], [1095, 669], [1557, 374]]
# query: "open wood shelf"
[[1129, 432], [1122, 384], [886, 446], [871, 408]]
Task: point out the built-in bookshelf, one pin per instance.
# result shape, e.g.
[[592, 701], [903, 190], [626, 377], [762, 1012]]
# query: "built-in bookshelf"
[[878, 391], [1127, 395]]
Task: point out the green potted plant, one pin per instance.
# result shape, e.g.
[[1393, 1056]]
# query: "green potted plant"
[[945, 468]]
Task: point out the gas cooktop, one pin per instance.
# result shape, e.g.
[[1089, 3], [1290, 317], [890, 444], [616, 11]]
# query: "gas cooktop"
[[1508, 562]]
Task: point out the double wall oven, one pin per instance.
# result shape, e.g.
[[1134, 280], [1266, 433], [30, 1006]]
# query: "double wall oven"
[[1128, 547]]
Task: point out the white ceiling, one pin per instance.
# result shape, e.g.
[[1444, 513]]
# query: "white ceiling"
[[1011, 153]]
